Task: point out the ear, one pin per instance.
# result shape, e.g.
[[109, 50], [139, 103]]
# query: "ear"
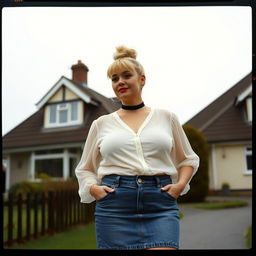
[[142, 79]]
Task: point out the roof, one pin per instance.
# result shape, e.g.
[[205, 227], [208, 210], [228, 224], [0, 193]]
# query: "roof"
[[223, 120], [31, 133], [108, 104]]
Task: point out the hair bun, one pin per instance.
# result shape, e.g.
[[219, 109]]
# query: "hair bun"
[[124, 52]]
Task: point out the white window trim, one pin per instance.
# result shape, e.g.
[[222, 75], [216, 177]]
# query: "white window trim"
[[46, 156], [247, 171], [65, 156], [69, 122]]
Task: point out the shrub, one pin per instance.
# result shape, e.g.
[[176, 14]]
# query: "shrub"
[[70, 184], [199, 184], [24, 187], [46, 184], [43, 176]]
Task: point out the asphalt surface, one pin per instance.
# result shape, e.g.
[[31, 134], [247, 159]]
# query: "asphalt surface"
[[215, 229]]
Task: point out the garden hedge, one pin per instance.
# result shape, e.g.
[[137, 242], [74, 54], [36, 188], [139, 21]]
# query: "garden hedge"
[[199, 185]]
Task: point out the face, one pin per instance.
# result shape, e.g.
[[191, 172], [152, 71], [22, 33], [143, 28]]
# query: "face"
[[127, 84]]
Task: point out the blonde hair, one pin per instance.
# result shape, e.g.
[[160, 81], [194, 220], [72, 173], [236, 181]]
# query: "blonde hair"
[[125, 58]]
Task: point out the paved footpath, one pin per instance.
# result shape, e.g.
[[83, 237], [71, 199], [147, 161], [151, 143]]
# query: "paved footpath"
[[215, 229]]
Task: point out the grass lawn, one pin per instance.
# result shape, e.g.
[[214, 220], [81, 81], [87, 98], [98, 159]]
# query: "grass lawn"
[[248, 237], [24, 222], [82, 237]]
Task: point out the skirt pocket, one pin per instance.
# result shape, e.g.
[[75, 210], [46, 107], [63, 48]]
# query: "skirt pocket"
[[109, 194]]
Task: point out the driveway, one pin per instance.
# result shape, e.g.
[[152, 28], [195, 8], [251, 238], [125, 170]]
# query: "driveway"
[[215, 229]]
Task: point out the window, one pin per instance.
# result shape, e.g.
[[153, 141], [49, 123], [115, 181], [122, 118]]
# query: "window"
[[248, 159], [56, 163], [72, 165], [74, 111], [53, 114], [64, 114], [51, 167]]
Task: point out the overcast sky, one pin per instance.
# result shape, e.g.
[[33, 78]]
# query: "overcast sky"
[[191, 55]]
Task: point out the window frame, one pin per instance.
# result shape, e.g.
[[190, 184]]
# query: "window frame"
[[67, 108], [247, 152], [65, 156]]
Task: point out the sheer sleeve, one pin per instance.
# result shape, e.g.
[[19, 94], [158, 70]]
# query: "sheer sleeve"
[[182, 153], [86, 170]]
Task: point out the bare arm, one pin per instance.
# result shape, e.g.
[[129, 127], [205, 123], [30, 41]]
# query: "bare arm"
[[185, 173]]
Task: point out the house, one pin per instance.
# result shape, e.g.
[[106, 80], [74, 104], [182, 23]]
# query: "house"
[[51, 140], [227, 126]]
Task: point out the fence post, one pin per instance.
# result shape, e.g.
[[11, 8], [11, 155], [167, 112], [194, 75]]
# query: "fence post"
[[28, 216], [51, 224], [10, 219], [78, 210], [57, 208], [19, 218], [74, 204], [43, 213], [70, 208], [65, 209], [36, 215], [61, 216]]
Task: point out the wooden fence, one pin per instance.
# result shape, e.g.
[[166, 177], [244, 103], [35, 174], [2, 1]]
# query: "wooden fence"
[[38, 214]]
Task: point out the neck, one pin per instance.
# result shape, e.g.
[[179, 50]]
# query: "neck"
[[133, 102]]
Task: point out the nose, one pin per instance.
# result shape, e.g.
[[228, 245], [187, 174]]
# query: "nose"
[[120, 81]]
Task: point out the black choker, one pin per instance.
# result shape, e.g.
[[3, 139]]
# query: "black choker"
[[141, 105]]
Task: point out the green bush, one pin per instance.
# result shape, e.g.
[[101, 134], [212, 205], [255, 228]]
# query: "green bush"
[[24, 187], [199, 184], [46, 184], [248, 236], [70, 184]]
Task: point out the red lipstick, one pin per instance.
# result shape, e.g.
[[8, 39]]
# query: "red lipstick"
[[123, 90]]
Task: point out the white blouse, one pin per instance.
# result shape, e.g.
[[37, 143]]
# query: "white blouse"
[[112, 147]]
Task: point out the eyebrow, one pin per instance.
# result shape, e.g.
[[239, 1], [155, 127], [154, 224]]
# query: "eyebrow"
[[126, 71]]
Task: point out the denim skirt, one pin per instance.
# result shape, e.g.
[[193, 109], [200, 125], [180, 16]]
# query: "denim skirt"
[[137, 215]]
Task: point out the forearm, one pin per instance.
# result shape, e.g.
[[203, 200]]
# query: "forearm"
[[184, 174]]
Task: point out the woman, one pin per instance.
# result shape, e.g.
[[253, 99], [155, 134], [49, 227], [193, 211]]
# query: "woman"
[[135, 164]]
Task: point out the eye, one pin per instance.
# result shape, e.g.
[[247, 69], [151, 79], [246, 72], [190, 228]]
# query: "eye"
[[114, 79], [127, 76]]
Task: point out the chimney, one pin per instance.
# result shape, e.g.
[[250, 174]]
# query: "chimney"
[[79, 73]]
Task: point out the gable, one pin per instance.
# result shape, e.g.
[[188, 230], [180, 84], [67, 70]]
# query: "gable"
[[230, 126], [225, 119], [62, 94], [54, 93]]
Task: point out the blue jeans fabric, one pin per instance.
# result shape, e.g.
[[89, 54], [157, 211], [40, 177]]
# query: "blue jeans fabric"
[[137, 215]]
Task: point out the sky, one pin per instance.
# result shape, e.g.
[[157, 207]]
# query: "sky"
[[191, 55]]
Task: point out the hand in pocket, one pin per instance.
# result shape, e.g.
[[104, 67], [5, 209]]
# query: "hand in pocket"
[[99, 192], [173, 189]]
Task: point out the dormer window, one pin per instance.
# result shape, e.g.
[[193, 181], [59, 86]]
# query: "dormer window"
[[64, 114], [245, 98]]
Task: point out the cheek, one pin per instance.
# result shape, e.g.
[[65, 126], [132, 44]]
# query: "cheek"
[[114, 87]]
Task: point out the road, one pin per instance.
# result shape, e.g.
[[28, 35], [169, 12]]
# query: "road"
[[215, 229]]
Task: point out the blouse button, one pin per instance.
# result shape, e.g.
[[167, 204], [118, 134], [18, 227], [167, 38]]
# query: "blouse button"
[[139, 180]]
